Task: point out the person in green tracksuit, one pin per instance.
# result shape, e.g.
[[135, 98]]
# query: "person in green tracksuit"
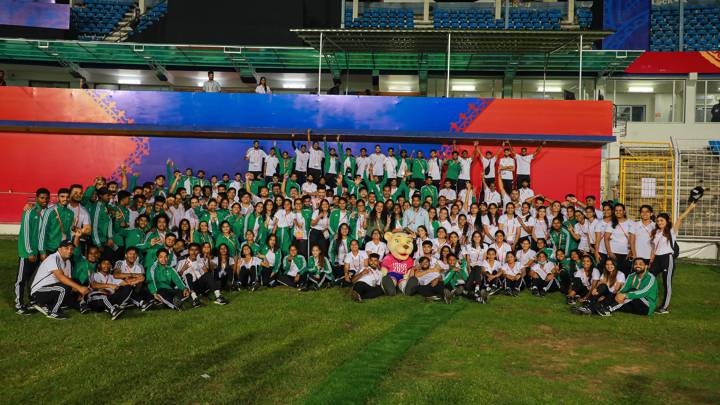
[[374, 187], [419, 167], [55, 225], [353, 184], [638, 295], [28, 252], [121, 217], [162, 281], [283, 226], [429, 190], [292, 269], [457, 273], [228, 238], [559, 236], [453, 170], [83, 267], [348, 163], [271, 257], [318, 270], [287, 162], [339, 215], [202, 235], [102, 231], [136, 237]]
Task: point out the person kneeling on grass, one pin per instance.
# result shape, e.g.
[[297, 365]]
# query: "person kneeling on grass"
[[584, 281], [52, 286], [198, 278], [162, 281], [543, 276], [366, 283], [638, 295], [108, 293], [318, 271]]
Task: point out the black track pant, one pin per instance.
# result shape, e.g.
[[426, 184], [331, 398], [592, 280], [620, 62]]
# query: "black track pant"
[[167, 297], [637, 306], [604, 294], [578, 287], [55, 296], [289, 281], [99, 301], [475, 278], [664, 265], [26, 270], [367, 291], [428, 290], [513, 284], [548, 286], [205, 284], [622, 263], [248, 276]]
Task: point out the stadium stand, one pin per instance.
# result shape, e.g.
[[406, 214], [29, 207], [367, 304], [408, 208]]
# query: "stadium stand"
[[95, 19], [150, 17], [392, 18], [701, 28]]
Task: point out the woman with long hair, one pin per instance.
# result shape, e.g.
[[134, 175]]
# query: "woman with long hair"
[[599, 230], [580, 232], [662, 259], [377, 220], [283, 226], [319, 232], [527, 223], [490, 223], [339, 248], [248, 267], [271, 256], [509, 224], [513, 274], [262, 87], [301, 228], [222, 265], [584, 281], [541, 230], [603, 292], [202, 234], [376, 245], [617, 238], [359, 223], [226, 237], [184, 231], [641, 234], [319, 272]]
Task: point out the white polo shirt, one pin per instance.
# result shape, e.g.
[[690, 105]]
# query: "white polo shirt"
[[507, 174], [44, 276], [643, 238], [523, 164], [255, 157]]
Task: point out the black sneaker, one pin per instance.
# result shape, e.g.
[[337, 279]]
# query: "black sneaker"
[[570, 300], [604, 311], [84, 308], [221, 300], [508, 292], [535, 291], [23, 311], [196, 303], [582, 310], [255, 286], [355, 296], [59, 316], [41, 309], [542, 292], [115, 314], [177, 303]]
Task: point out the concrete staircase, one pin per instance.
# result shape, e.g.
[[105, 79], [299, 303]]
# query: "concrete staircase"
[[122, 29]]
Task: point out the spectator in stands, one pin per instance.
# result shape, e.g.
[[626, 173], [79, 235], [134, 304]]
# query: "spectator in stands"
[[714, 113], [262, 87], [135, 19], [210, 85], [335, 89], [2, 78], [83, 83]]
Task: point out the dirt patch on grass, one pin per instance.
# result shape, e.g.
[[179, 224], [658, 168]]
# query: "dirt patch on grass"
[[620, 369]]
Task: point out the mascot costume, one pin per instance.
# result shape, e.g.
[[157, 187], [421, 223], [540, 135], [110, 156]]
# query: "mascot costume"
[[396, 267]]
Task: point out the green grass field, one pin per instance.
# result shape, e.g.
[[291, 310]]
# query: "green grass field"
[[281, 346]]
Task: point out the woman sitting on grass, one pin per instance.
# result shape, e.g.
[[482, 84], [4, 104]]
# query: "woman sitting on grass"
[[318, 270]]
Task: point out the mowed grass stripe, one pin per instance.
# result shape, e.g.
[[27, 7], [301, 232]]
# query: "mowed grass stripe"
[[355, 380]]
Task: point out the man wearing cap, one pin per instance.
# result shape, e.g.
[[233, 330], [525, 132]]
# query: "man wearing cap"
[[52, 287], [28, 247]]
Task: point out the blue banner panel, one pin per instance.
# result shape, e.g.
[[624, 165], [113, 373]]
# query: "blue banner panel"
[[39, 14], [630, 19]]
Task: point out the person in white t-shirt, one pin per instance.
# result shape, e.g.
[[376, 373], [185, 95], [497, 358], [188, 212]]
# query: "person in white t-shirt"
[[488, 161], [433, 168], [377, 163], [302, 156], [506, 166], [641, 235], [367, 283], [584, 281], [316, 155], [465, 166], [523, 162], [271, 165], [255, 157]]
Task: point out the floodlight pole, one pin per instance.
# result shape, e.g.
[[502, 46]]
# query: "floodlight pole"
[[320, 63], [507, 14], [580, 93], [447, 81]]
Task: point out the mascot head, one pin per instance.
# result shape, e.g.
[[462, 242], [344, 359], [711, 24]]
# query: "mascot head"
[[400, 244]]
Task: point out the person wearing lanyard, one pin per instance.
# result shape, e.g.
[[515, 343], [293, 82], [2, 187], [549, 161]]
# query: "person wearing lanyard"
[[56, 225], [433, 168], [617, 238], [338, 250], [339, 216]]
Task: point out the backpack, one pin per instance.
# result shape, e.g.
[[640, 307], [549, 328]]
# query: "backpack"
[[675, 247]]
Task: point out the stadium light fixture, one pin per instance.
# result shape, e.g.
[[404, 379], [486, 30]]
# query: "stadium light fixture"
[[550, 89], [641, 89], [129, 80], [463, 87], [400, 88]]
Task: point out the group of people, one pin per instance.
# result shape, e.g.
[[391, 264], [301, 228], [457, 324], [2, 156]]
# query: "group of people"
[[380, 223]]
